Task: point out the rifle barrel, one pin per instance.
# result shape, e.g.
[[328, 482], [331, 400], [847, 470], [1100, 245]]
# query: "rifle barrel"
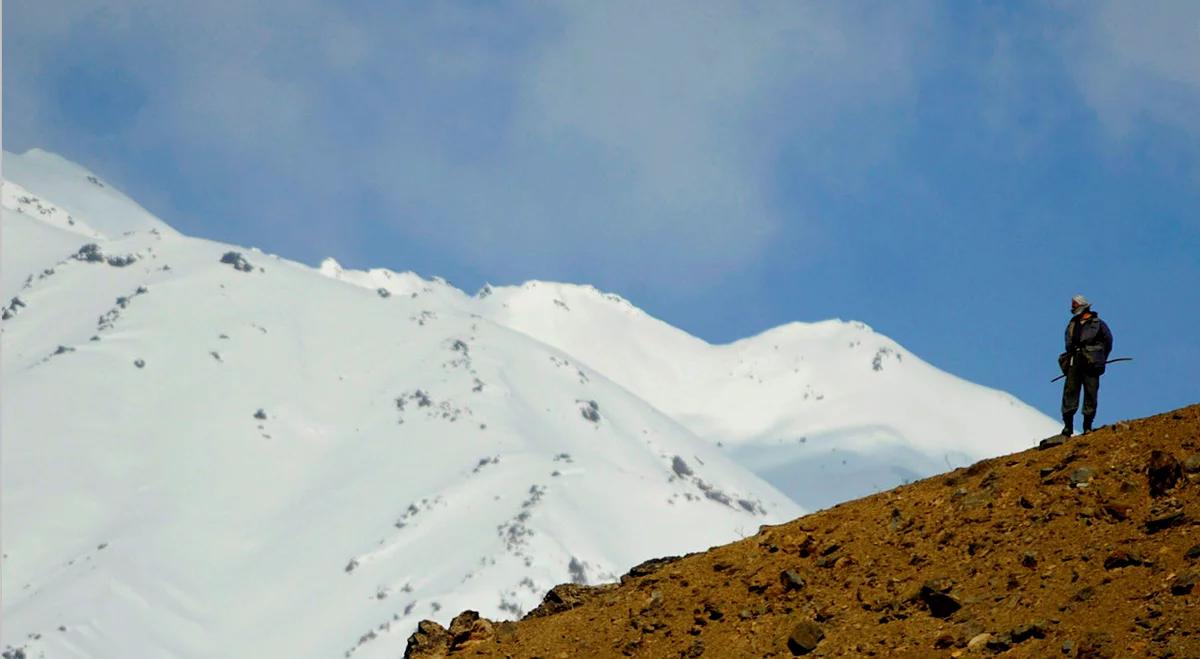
[[1118, 359]]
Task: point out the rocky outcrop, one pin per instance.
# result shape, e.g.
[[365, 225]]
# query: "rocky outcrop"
[[565, 597], [432, 641], [238, 261]]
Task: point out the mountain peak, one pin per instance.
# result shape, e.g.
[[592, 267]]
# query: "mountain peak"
[[81, 193]]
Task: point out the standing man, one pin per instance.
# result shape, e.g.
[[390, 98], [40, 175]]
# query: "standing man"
[[1088, 344]]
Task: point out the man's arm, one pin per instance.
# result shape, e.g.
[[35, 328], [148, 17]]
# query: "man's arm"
[[1106, 337]]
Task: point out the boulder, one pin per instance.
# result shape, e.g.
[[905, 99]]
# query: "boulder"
[[1192, 464], [469, 629], [791, 580], [978, 641], [1025, 632], [1000, 643], [1184, 583], [1121, 558], [1082, 477], [1117, 511], [429, 641], [1163, 471], [1163, 518], [1052, 441], [804, 638], [936, 595]]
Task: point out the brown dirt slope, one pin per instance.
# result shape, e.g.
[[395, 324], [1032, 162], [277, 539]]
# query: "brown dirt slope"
[[1089, 549]]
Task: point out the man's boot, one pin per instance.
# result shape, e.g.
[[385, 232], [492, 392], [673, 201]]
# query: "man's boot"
[[1087, 423], [1068, 425]]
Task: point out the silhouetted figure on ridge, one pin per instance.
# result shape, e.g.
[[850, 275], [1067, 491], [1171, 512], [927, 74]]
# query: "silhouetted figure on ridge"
[[1088, 342]]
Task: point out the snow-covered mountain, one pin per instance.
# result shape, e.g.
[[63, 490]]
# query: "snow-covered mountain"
[[212, 451], [826, 411]]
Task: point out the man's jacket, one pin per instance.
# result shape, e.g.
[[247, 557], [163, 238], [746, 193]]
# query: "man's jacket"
[[1088, 338]]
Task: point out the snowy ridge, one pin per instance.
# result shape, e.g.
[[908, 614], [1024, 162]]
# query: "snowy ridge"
[[211, 451], [79, 192], [824, 411], [17, 199]]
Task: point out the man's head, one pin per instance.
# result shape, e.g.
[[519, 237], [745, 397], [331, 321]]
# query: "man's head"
[[1079, 304]]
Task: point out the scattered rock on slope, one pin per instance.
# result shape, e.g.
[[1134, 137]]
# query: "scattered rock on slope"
[[804, 638], [1163, 471], [929, 569], [238, 261], [91, 253]]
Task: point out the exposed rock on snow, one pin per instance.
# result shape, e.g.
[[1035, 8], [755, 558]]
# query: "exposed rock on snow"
[[238, 261]]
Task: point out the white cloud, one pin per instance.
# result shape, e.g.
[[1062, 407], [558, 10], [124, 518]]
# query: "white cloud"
[[1140, 62], [651, 132], [601, 137]]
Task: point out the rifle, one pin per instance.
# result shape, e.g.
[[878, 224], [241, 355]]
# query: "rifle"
[[1111, 361]]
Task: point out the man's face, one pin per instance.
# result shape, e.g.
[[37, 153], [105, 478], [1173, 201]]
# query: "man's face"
[[1075, 307]]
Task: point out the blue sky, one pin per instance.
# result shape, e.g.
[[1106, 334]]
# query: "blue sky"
[[950, 173]]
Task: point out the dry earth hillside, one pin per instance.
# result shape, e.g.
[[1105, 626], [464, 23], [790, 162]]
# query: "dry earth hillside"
[[1090, 548]]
